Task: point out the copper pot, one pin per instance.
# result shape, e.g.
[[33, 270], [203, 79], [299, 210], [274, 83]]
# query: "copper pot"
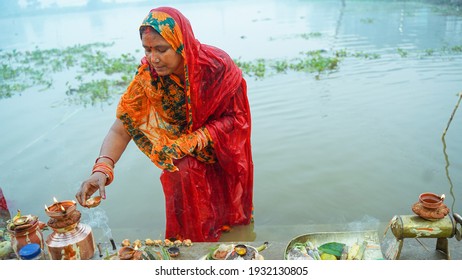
[[70, 239], [76, 243]]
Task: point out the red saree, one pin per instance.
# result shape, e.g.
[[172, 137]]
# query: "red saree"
[[214, 186]]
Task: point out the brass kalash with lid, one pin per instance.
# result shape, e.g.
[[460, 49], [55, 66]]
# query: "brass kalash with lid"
[[70, 239], [431, 221]]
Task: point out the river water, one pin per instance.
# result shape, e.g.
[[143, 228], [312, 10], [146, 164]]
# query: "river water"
[[347, 150]]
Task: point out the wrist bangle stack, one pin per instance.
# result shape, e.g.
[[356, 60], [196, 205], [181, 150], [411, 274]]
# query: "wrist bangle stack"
[[106, 169], [108, 157]]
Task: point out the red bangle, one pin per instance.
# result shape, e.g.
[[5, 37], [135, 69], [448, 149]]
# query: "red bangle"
[[108, 157], [106, 169]]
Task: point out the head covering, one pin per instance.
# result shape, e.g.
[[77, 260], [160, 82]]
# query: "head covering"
[[211, 75], [167, 28]]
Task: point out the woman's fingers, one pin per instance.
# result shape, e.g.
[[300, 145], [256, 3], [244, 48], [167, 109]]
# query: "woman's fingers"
[[97, 181]]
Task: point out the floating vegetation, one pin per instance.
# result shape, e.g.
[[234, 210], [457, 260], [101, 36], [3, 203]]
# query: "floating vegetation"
[[367, 20], [22, 70], [429, 52], [311, 35], [401, 52], [444, 51], [453, 49], [305, 36], [261, 19], [107, 87], [318, 62], [360, 54], [98, 77], [311, 62], [255, 68], [448, 10], [315, 62]]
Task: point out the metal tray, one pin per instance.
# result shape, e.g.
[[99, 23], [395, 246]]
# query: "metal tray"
[[373, 249]]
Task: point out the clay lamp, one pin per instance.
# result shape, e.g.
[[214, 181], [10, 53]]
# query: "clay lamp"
[[60, 209], [93, 201], [431, 200], [129, 253]]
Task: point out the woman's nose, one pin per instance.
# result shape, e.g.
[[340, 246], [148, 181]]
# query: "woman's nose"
[[154, 58]]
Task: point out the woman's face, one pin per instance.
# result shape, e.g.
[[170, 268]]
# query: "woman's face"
[[161, 55]]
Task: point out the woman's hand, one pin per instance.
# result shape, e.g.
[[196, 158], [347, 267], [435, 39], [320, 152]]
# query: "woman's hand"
[[97, 181], [166, 151], [163, 157], [113, 146]]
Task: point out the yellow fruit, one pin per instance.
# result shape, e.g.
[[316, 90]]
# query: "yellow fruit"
[[325, 256]]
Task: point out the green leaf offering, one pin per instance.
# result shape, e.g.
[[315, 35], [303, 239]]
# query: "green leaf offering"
[[333, 248]]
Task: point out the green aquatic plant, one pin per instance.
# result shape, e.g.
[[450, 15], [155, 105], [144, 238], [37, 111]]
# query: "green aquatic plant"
[[366, 55], [315, 62], [456, 49], [341, 53], [451, 50], [402, 53], [98, 77], [367, 20], [448, 10], [92, 92], [429, 52], [281, 66], [305, 36], [22, 70], [311, 35], [311, 62], [344, 53], [256, 68]]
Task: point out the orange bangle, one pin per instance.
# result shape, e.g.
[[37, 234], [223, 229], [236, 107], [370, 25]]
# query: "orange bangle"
[[104, 156], [106, 169]]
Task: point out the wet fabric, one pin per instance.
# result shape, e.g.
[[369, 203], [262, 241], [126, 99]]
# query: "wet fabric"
[[4, 212], [201, 128], [3, 205]]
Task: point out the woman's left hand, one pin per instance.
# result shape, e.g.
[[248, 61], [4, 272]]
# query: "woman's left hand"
[[163, 157], [163, 154]]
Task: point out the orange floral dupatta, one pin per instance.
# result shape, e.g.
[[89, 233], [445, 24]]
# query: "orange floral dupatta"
[[213, 187]]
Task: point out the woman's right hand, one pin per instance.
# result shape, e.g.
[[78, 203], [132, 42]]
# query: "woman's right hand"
[[97, 181], [113, 146]]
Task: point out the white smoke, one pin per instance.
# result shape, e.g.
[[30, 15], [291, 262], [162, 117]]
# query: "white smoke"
[[97, 219]]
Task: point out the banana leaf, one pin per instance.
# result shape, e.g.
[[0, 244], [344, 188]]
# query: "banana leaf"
[[333, 248]]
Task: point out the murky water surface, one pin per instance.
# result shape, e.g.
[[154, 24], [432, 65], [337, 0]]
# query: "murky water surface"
[[350, 149]]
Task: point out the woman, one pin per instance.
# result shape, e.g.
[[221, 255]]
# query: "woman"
[[187, 110]]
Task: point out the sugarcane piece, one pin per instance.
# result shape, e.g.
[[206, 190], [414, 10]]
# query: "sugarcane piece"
[[312, 250], [362, 249], [353, 251], [298, 253], [311, 254], [316, 253], [344, 254]]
